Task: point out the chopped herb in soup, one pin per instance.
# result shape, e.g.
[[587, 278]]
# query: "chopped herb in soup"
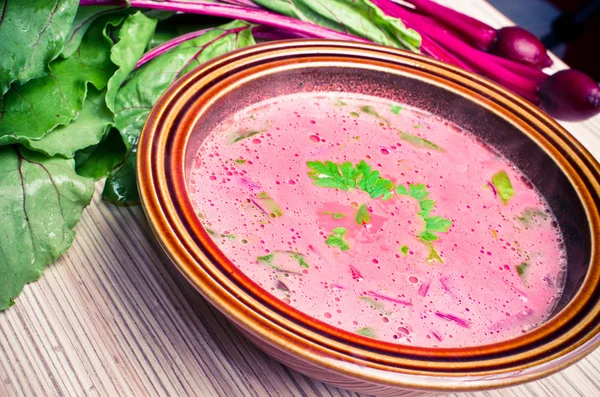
[[380, 220]]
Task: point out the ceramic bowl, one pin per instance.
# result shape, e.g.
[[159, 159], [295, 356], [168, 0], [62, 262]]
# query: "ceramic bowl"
[[563, 171]]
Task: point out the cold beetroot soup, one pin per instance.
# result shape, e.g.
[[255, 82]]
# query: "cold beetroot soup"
[[379, 219]]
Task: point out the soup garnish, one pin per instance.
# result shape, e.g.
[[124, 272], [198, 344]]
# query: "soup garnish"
[[379, 219]]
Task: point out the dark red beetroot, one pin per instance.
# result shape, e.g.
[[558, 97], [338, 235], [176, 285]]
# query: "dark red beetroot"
[[521, 46], [570, 95], [513, 42]]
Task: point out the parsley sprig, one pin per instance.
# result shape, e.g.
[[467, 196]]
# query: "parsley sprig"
[[336, 239], [433, 224], [347, 176]]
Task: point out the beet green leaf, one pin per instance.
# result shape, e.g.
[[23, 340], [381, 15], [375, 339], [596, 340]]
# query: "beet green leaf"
[[139, 93], [33, 109], [32, 33], [359, 17], [45, 198]]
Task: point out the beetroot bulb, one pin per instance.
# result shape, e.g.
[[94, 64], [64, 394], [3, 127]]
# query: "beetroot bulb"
[[521, 46], [513, 42], [570, 95]]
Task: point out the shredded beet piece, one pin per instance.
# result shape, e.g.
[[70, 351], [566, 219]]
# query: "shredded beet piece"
[[280, 285], [491, 185], [423, 289], [388, 298], [443, 282], [454, 319], [355, 273], [436, 335]]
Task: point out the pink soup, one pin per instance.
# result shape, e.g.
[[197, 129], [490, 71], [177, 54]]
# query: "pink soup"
[[380, 220]]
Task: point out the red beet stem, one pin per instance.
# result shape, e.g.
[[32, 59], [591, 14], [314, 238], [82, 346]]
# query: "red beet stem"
[[454, 319], [249, 14], [389, 299], [478, 33]]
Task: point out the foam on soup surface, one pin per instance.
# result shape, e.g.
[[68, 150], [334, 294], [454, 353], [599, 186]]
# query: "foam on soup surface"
[[380, 220]]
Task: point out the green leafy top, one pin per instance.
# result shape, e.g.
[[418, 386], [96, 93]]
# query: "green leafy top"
[[32, 34], [433, 224], [145, 85], [346, 176], [359, 17], [501, 182], [336, 239], [42, 199]]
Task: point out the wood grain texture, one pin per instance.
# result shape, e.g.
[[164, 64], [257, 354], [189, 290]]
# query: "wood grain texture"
[[112, 318]]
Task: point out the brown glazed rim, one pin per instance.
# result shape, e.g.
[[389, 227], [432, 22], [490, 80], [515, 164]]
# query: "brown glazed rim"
[[564, 339]]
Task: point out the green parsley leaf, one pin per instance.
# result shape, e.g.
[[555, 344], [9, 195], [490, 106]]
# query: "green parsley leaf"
[[433, 224], [433, 254], [501, 182], [328, 174], [336, 239], [426, 235], [281, 256], [404, 250], [418, 191], [529, 214], [369, 181], [266, 259], [426, 206], [354, 115], [438, 224], [339, 102], [366, 331], [395, 108], [363, 215], [335, 215], [346, 176], [373, 112], [268, 205], [522, 268], [419, 142], [300, 258], [241, 135], [241, 161], [402, 190], [380, 307]]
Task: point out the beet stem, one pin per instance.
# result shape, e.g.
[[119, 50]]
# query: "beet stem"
[[476, 59], [252, 15], [478, 33]]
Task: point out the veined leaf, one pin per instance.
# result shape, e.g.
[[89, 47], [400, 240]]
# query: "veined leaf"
[[32, 33], [144, 86], [33, 109], [83, 20], [359, 17], [88, 129], [134, 36], [98, 161], [43, 199]]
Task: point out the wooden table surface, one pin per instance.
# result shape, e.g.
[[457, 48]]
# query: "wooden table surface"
[[112, 318]]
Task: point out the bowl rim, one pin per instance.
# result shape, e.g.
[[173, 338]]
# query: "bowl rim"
[[163, 191]]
